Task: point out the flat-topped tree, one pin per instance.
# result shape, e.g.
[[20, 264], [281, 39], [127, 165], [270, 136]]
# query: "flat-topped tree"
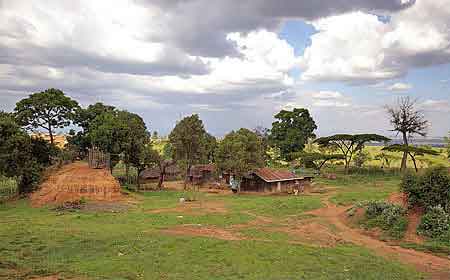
[[407, 121], [316, 159], [349, 144], [48, 110], [412, 151]]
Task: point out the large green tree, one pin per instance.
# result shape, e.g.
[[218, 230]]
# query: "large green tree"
[[407, 121], [187, 140], [240, 152], [349, 144], [120, 133], [292, 130], [48, 110], [20, 155]]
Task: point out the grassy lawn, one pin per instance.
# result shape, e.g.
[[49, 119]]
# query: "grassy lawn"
[[355, 188], [130, 245]]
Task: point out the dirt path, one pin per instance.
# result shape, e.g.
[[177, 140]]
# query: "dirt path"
[[438, 268]]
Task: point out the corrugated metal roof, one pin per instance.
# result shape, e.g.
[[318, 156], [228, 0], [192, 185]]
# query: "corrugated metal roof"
[[275, 175]]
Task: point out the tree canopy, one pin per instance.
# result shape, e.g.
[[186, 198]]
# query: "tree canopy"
[[120, 132], [20, 155], [316, 159], [240, 152], [292, 130], [349, 144], [48, 110], [187, 140]]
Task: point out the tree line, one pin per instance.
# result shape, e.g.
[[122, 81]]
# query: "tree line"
[[126, 137]]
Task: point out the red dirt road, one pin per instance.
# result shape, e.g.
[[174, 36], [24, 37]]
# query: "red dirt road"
[[438, 268]]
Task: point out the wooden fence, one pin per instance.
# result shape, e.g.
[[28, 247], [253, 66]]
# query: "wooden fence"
[[8, 188], [98, 159]]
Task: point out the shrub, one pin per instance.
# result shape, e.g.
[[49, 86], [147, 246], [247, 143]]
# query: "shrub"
[[435, 223], [375, 208], [428, 190], [389, 217]]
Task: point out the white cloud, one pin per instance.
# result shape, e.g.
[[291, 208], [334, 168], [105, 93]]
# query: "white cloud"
[[400, 87], [359, 47]]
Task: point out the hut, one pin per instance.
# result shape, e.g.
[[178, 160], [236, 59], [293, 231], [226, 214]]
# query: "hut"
[[202, 173], [152, 174], [273, 180]]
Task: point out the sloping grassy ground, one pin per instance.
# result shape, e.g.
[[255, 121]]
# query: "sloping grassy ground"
[[129, 245], [353, 188]]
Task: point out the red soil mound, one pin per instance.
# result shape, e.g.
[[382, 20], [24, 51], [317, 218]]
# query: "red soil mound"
[[75, 181]]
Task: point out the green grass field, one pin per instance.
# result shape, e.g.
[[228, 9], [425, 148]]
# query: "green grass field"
[[130, 244]]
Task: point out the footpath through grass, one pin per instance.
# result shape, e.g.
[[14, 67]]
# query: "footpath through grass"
[[130, 245]]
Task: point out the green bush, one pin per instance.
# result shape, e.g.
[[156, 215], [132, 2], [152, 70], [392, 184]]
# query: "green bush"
[[435, 223], [387, 216], [375, 208], [428, 190]]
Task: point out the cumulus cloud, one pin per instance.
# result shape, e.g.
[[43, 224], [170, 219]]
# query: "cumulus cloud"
[[400, 87], [360, 47]]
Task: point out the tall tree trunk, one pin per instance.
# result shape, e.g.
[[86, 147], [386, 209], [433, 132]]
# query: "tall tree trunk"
[[161, 179], [414, 161], [50, 133], [405, 153], [188, 168]]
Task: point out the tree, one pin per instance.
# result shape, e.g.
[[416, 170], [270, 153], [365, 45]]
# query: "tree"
[[161, 161], [20, 155], [187, 140], [209, 145], [412, 151], [120, 132], [292, 130], [349, 144], [407, 121], [240, 152], [47, 110], [316, 159], [84, 118]]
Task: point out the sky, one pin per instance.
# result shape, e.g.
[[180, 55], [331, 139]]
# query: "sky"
[[235, 63]]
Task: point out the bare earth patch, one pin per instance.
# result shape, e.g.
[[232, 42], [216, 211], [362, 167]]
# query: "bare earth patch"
[[76, 181], [312, 233]]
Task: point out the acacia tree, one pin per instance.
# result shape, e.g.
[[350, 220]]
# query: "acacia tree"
[[349, 144], [48, 110], [412, 151], [187, 140], [240, 152], [292, 130], [316, 159], [407, 121]]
